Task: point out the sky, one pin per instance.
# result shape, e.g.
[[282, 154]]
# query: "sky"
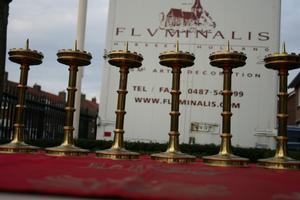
[[51, 26]]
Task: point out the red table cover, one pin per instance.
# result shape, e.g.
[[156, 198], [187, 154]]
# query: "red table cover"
[[142, 179]]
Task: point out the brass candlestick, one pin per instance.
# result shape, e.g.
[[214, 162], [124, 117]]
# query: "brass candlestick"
[[24, 57], [227, 61], [74, 58], [175, 60], [282, 62], [124, 60]]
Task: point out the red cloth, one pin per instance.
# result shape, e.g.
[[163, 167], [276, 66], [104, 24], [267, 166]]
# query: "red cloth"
[[142, 179]]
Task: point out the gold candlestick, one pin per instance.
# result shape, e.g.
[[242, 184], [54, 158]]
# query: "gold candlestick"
[[24, 57], [74, 58], [124, 60], [227, 61], [282, 62], [175, 60]]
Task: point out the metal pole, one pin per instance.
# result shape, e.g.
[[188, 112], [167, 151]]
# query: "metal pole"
[[81, 24], [120, 112], [174, 134], [226, 114]]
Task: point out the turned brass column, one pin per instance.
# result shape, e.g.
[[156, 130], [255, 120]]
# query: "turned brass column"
[[24, 57], [124, 60], [282, 62], [175, 60], [227, 61], [74, 58]]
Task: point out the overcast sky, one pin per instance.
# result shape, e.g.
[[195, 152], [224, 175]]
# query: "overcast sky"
[[51, 25]]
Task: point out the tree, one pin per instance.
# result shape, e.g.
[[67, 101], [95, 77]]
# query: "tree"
[[4, 9]]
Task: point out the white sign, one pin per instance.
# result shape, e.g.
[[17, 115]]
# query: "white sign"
[[202, 27]]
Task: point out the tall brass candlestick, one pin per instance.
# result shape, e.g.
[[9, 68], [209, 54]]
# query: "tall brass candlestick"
[[24, 57], [227, 61], [124, 60], [74, 58], [175, 60], [282, 62]]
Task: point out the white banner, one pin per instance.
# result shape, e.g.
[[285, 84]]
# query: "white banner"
[[202, 27]]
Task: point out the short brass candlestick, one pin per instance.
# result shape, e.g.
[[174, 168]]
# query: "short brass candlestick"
[[24, 57], [74, 58], [175, 60], [226, 60], [124, 60], [282, 62]]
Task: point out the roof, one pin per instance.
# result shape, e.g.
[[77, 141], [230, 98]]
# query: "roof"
[[188, 15], [197, 4], [175, 12], [47, 95], [89, 106], [34, 91], [295, 82]]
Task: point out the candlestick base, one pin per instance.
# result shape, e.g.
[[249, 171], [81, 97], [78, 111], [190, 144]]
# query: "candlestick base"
[[279, 163], [66, 150], [17, 147], [117, 154], [226, 160], [173, 157]]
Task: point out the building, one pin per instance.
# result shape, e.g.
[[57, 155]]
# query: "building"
[[88, 118], [294, 101], [293, 129], [45, 113]]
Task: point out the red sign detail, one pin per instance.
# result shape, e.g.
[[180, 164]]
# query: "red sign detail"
[[107, 134]]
